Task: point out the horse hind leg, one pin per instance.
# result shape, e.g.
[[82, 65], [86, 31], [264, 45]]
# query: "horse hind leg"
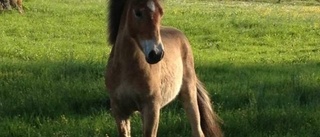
[[209, 119], [188, 96], [204, 121]]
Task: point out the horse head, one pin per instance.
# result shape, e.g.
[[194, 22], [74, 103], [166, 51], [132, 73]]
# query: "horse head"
[[143, 23]]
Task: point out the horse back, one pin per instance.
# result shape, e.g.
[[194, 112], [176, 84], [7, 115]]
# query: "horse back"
[[174, 38]]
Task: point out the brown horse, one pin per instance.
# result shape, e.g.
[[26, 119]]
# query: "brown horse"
[[149, 66]]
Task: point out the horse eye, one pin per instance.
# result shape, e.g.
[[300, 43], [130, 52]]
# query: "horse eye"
[[138, 13]]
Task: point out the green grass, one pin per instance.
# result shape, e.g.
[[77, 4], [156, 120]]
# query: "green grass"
[[260, 62]]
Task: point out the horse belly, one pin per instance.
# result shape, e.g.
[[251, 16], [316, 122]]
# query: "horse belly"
[[171, 82]]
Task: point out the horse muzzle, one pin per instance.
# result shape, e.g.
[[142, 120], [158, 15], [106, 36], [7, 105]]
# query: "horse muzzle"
[[152, 50]]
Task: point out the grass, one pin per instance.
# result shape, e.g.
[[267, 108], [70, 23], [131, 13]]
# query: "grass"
[[260, 62]]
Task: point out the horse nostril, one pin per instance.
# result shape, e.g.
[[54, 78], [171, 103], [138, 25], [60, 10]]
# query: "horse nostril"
[[152, 54], [154, 57]]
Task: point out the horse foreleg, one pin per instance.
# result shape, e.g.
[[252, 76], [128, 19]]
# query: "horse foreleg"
[[150, 118], [122, 120], [123, 125], [189, 99]]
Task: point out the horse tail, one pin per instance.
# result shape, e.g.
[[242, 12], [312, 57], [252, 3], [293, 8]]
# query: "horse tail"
[[209, 119]]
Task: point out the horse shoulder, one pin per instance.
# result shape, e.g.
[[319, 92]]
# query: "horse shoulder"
[[111, 74], [174, 35]]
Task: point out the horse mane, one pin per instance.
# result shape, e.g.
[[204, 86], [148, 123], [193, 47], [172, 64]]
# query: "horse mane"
[[116, 8]]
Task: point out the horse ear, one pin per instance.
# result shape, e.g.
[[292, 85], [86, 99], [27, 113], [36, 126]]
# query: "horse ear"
[[161, 11], [159, 4]]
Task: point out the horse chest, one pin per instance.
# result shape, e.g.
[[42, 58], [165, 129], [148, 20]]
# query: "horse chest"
[[129, 97], [132, 91]]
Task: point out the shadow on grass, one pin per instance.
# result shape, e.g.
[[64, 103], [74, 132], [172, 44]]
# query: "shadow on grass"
[[249, 98], [265, 100], [279, 85], [52, 88], [79, 86]]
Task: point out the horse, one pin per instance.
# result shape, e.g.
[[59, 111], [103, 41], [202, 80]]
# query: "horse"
[[7, 4], [148, 67]]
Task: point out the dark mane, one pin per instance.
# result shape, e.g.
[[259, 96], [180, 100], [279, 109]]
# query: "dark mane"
[[115, 11]]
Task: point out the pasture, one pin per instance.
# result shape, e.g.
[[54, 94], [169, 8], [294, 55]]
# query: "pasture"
[[260, 61]]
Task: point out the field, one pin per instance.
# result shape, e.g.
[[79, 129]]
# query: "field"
[[260, 62]]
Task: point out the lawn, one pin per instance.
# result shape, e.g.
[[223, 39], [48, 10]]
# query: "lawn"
[[260, 61]]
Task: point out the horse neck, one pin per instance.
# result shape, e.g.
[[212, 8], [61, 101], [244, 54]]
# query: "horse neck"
[[127, 51], [124, 46]]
